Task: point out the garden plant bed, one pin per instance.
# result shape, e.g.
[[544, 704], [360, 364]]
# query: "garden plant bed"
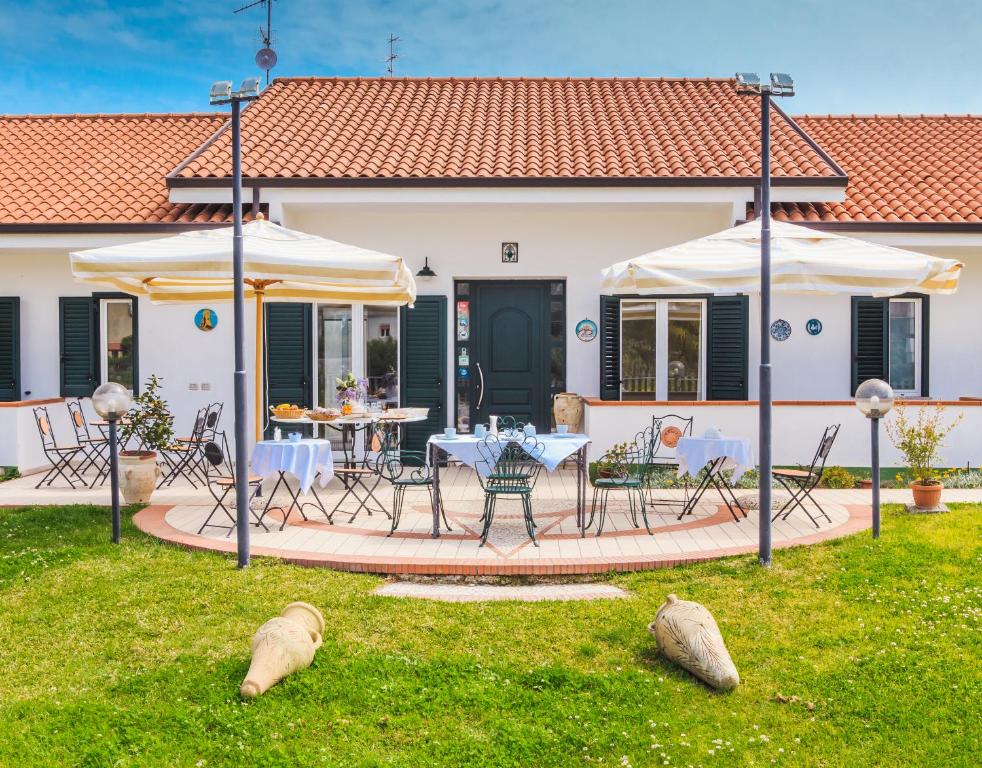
[[851, 652]]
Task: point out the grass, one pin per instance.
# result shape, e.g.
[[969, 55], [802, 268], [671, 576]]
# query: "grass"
[[852, 653]]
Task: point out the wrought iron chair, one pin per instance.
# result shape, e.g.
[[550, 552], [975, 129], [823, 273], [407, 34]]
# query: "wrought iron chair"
[[60, 456], [801, 482], [510, 424], [94, 449], [181, 457], [404, 470], [220, 480], [667, 430], [508, 468], [625, 468]]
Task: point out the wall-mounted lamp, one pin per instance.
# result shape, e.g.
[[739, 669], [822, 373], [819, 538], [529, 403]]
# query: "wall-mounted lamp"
[[426, 273]]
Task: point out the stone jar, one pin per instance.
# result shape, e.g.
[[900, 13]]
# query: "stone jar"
[[138, 475], [688, 635], [283, 645], [567, 408]]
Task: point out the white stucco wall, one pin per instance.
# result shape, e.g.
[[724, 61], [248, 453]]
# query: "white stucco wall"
[[464, 241]]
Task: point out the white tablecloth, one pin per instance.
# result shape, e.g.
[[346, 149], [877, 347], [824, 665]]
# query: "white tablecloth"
[[555, 448], [693, 453], [301, 458]]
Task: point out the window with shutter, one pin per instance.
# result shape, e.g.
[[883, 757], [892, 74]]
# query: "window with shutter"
[[9, 348], [610, 348], [890, 339], [726, 361], [423, 366], [289, 359], [78, 337]]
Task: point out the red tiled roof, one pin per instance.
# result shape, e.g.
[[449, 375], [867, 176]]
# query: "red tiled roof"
[[506, 129], [99, 169], [902, 169]]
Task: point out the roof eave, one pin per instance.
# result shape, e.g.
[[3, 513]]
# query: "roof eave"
[[184, 182]]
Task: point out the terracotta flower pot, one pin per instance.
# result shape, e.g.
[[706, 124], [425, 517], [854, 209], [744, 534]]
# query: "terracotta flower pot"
[[926, 496], [138, 475]]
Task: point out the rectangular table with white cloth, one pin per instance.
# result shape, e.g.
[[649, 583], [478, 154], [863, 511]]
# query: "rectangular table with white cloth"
[[306, 460], [711, 456], [556, 449]]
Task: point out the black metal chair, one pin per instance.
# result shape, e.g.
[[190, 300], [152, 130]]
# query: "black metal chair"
[[625, 469], [220, 480], [182, 456], [60, 456], [404, 470], [510, 468], [95, 450], [801, 482], [667, 430]]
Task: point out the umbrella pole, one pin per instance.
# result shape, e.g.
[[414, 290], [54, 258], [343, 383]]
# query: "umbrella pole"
[[241, 409], [260, 377], [764, 529]]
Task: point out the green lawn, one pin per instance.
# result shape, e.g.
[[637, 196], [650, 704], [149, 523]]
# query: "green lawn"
[[852, 653]]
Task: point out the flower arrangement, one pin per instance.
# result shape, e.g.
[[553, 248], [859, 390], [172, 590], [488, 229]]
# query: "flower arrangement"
[[150, 420], [920, 440], [350, 389]]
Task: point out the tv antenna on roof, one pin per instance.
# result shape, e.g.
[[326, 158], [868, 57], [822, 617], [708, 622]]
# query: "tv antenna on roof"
[[391, 59], [266, 56]]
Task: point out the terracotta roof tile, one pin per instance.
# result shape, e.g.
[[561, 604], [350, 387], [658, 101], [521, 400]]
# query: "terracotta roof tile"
[[916, 169], [99, 169], [341, 128]]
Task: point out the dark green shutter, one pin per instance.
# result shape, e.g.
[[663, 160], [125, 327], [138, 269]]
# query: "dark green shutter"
[[423, 366], [9, 348], [870, 340], [726, 359], [79, 342], [610, 348], [289, 357]]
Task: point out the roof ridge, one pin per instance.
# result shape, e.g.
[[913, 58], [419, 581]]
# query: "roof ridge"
[[457, 79], [115, 115], [891, 116]]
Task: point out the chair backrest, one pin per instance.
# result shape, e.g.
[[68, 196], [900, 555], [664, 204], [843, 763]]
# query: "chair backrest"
[[43, 422], [824, 448], [393, 462], [510, 464], [668, 430], [510, 424], [79, 424], [199, 423], [212, 419]]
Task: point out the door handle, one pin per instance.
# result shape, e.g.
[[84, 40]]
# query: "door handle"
[[480, 397]]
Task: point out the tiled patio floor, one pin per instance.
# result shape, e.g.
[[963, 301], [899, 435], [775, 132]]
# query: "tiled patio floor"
[[363, 544]]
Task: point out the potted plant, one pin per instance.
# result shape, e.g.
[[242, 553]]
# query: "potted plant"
[[614, 462], [920, 441], [349, 391], [151, 423]]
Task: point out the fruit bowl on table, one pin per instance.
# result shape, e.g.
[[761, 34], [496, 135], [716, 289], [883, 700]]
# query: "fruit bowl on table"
[[288, 414], [323, 415]]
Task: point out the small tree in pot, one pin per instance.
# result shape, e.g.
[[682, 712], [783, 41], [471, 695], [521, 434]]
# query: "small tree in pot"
[[151, 423], [920, 440]]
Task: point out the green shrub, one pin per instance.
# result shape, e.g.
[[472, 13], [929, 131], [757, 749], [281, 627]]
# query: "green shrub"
[[838, 477]]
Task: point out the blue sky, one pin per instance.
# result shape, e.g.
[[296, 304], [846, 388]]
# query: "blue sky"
[[845, 55]]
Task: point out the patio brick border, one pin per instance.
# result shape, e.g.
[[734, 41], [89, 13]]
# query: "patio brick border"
[[152, 520]]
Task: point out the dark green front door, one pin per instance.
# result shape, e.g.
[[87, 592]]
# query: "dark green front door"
[[511, 348]]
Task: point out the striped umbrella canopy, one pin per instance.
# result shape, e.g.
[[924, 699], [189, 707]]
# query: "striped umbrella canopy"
[[279, 264], [803, 260]]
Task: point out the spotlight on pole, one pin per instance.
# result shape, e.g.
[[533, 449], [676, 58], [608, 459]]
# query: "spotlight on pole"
[[112, 401], [221, 93], [749, 84], [874, 398]]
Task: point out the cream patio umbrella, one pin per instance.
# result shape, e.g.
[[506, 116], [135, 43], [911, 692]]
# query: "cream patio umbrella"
[[279, 264], [803, 260]]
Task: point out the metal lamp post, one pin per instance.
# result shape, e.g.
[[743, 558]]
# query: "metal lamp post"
[[221, 93], [112, 401], [874, 398], [748, 84]]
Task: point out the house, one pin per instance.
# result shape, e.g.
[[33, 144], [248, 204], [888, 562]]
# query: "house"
[[515, 193]]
